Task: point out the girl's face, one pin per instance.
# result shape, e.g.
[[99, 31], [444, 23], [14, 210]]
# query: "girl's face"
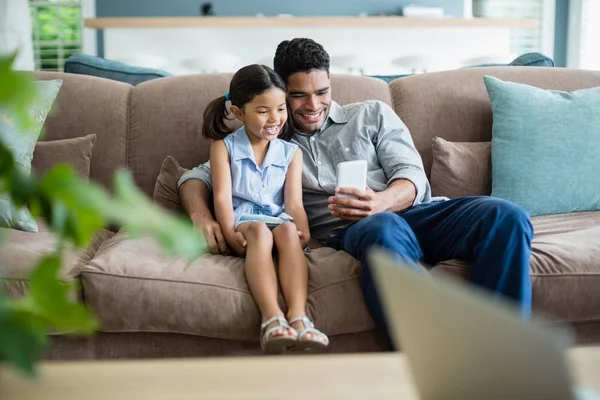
[[265, 116]]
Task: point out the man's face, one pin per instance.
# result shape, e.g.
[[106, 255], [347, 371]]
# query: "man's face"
[[309, 99]]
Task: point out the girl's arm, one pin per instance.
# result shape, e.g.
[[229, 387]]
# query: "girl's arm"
[[293, 197], [221, 181]]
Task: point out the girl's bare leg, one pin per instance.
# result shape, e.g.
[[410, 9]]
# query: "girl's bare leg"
[[293, 272], [260, 272]]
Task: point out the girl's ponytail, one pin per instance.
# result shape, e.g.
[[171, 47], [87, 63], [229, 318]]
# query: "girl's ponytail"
[[214, 120]]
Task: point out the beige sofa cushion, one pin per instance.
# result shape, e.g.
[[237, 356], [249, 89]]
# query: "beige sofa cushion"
[[20, 251], [166, 193], [88, 105], [461, 168], [133, 287], [166, 118], [77, 152], [565, 266]]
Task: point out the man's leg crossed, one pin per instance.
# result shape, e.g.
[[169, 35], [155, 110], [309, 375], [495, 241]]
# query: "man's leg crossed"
[[493, 234]]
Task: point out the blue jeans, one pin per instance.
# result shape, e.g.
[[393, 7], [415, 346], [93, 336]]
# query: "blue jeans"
[[493, 234]]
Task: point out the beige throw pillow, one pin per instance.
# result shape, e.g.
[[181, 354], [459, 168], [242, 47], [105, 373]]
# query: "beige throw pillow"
[[76, 152], [166, 193], [461, 168]]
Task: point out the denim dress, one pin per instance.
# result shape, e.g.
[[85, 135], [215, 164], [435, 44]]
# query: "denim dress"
[[258, 190]]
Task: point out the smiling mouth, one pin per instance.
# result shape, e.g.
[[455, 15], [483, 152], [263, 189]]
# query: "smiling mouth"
[[312, 117], [272, 130]]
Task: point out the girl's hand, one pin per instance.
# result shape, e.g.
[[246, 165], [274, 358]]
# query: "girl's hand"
[[238, 243]]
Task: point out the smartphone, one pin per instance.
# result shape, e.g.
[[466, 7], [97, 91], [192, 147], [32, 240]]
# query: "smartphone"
[[352, 174]]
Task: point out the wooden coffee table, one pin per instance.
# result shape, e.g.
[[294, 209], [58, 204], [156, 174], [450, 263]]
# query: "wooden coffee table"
[[362, 376]]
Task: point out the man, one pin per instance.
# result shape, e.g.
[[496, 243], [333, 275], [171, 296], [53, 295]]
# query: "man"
[[396, 210]]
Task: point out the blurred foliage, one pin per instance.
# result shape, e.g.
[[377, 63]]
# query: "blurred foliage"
[[74, 210], [16, 93]]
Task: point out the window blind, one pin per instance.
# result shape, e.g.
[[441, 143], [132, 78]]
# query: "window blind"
[[57, 32]]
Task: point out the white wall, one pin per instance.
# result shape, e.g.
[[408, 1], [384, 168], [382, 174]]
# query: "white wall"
[[372, 48]]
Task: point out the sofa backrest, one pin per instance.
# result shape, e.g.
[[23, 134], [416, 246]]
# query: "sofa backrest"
[[88, 105], [166, 118], [454, 105], [139, 126]]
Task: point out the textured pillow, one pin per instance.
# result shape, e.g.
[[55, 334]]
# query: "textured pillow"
[[166, 193], [86, 64], [533, 59], [22, 144], [461, 168], [76, 152], [545, 146]]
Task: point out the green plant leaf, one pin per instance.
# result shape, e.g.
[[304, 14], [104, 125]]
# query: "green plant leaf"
[[17, 91], [22, 337], [53, 301], [140, 216], [73, 207], [22, 186], [77, 209], [7, 164]]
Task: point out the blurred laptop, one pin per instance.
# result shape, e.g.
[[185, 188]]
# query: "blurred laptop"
[[462, 343]]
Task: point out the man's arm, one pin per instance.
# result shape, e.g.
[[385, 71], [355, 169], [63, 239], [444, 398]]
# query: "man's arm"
[[400, 160], [195, 194], [201, 173], [398, 196], [407, 183]]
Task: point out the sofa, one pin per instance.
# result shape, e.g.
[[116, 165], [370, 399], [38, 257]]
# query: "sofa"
[[153, 305]]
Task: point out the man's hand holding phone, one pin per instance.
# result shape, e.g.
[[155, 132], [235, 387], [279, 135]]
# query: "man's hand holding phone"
[[361, 204], [353, 199]]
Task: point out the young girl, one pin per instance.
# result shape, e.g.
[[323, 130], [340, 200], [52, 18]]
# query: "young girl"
[[257, 189]]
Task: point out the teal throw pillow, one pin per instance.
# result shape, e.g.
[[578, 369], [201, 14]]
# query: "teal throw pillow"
[[22, 143], [545, 147], [87, 64]]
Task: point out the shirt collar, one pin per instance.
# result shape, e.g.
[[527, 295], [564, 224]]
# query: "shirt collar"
[[336, 115], [243, 150], [275, 154]]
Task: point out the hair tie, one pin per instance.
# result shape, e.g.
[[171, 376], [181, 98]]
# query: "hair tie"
[[227, 96]]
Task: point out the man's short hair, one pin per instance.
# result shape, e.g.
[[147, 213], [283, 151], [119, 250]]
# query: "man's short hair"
[[300, 55]]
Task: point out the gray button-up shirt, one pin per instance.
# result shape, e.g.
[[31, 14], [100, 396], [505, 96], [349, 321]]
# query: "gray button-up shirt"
[[370, 131]]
